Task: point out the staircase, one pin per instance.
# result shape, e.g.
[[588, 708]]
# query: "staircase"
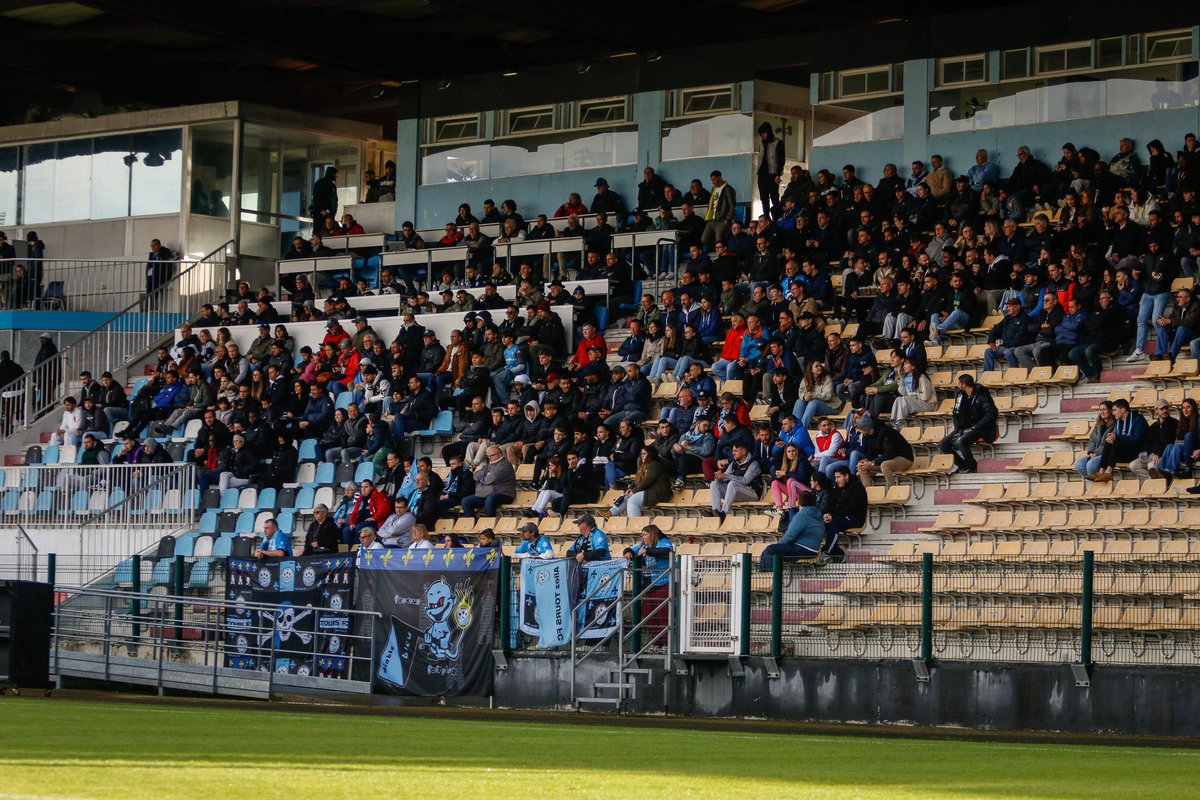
[[116, 346]]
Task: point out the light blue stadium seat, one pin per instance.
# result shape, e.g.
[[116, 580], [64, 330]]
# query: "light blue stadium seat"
[[229, 498], [201, 574], [222, 547], [116, 495], [344, 400], [123, 575], [161, 574], [365, 472], [308, 450], [12, 498], [443, 425], [286, 521], [245, 523], [208, 522], [306, 497], [326, 474], [79, 503], [45, 501], [50, 454], [185, 544], [266, 499], [138, 383]]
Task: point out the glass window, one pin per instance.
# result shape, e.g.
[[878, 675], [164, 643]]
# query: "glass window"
[[603, 112], [467, 163], [530, 120], [702, 100], [158, 172], [110, 177], [58, 179], [727, 134], [212, 170], [873, 81], [952, 71], [1014, 64], [9, 174], [1065, 58], [454, 129], [1168, 45], [1110, 52]]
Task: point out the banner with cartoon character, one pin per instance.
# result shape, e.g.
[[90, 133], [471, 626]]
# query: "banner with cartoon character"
[[551, 588], [438, 616], [308, 634]]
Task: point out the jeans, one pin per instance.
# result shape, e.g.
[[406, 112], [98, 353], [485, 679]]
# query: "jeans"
[[635, 504], [544, 498], [1177, 457], [805, 410], [228, 481], [613, 420], [681, 366], [1172, 344], [1150, 308], [612, 473], [720, 369], [894, 323], [502, 381], [766, 561], [473, 502], [850, 463], [989, 357], [955, 320], [1087, 358], [725, 493], [1087, 465], [661, 365]]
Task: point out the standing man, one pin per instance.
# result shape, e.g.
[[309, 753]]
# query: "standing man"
[[324, 199], [158, 268], [770, 169], [722, 203]]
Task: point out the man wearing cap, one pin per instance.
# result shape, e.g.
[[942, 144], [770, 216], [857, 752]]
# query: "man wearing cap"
[[606, 200], [362, 328], [546, 332], [1007, 335], [591, 544], [533, 543]]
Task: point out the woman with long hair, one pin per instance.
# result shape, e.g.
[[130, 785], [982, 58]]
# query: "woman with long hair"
[[817, 395], [667, 345], [651, 485], [790, 475], [1178, 458], [914, 393], [1088, 464]]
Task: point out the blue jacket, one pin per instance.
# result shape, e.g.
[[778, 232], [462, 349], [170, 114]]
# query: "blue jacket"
[[752, 346], [1073, 329], [1131, 430], [806, 529], [708, 326], [172, 395], [798, 436], [633, 396], [319, 411]]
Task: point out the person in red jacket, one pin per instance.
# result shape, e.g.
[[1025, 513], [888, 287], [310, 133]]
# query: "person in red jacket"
[[732, 348], [368, 510], [334, 334], [351, 226], [591, 338]]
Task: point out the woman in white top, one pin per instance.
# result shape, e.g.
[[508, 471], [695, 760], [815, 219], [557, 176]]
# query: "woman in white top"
[[915, 393], [420, 538]]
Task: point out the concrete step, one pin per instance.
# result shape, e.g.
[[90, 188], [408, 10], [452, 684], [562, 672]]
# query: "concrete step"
[[1038, 434], [614, 703], [950, 497], [1123, 373], [988, 465]]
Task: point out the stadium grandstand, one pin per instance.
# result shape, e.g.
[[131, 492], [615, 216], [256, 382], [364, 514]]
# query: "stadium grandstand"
[[846, 348]]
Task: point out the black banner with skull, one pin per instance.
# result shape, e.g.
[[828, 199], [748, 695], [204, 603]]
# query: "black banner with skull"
[[438, 616], [308, 634]]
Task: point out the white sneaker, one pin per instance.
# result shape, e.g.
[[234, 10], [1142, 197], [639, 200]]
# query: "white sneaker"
[[1135, 356]]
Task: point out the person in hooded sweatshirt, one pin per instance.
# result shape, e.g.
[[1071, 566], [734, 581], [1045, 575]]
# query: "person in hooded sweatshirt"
[[803, 536]]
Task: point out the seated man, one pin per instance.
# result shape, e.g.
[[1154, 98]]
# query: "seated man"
[[369, 509], [69, 427], [845, 508], [495, 485], [741, 479], [803, 536], [975, 418], [591, 544], [275, 543], [533, 543], [1124, 442], [396, 530]]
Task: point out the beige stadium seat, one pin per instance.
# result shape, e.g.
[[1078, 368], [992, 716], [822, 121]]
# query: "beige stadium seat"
[[1154, 370], [1076, 429]]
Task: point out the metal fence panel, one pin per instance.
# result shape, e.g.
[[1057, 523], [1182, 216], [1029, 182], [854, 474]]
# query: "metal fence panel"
[[710, 604]]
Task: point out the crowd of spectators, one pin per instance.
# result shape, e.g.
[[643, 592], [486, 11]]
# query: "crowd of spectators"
[[1081, 259]]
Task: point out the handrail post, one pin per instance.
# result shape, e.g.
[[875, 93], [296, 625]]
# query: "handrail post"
[[776, 605], [135, 604], [1085, 625], [635, 611], [51, 564], [926, 607], [177, 590], [505, 584], [744, 644]]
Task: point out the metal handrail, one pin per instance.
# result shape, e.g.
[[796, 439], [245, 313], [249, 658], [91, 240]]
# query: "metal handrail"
[[30, 396]]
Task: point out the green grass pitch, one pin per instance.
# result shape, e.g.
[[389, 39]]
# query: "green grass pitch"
[[68, 748]]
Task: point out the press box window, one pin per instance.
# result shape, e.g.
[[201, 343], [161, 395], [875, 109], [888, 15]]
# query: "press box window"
[[455, 129], [1065, 58], [1169, 46], [703, 101], [608, 111], [961, 71]]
